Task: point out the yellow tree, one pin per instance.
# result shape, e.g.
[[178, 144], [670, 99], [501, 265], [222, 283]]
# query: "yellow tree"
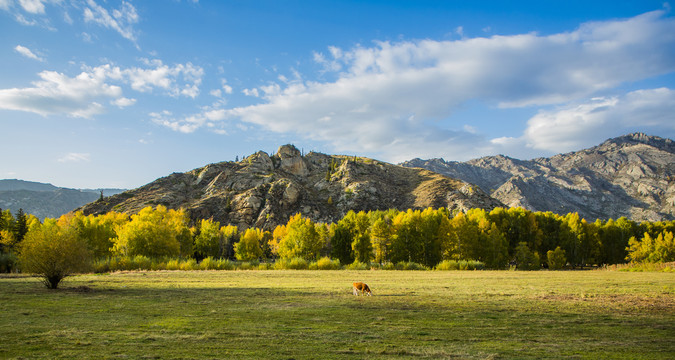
[[301, 240], [248, 248], [209, 242], [53, 252], [154, 233]]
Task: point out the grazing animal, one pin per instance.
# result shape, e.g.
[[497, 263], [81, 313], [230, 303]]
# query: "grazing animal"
[[361, 287]]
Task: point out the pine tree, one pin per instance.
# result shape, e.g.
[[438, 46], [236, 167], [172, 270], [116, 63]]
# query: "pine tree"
[[21, 227]]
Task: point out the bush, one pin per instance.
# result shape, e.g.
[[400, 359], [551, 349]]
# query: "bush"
[[296, 263], [326, 263], [556, 259], [525, 258], [7, 262], [245, 265], [447, 265], [357, 265], [409, 265], [264, 266], [53, 253], [225, 264], [173, 264], [141, 262], [189, 264], [388, 266], [208, 263]]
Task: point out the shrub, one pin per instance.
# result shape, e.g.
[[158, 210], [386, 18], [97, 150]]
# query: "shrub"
[[556, 258], [388, 266], [208, 263], [7, 262], [264, 266], [141, 262], [357, 265], [409, 265], [173, 264], [189, 264], [326, 263], [53, 253], [245, 265], [225, 264], [296, 263], [447, 265], [525, 258]]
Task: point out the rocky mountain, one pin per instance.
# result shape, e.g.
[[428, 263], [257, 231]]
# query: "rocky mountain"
[[45, 200], [631, 176], [264, 191]]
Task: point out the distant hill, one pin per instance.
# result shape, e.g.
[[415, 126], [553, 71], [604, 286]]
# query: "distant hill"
[[264, 191], [631, 176], [45, 200], [14, 184]]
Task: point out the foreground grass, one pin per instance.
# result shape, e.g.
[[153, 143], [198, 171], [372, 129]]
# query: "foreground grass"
[[312, 314]]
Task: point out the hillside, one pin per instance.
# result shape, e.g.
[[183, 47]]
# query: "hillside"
[[45, 200], [264, 191], [631, 176]]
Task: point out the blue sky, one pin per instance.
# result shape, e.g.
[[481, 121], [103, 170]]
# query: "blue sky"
[[111, 93]]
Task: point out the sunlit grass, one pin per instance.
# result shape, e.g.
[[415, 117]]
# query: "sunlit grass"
[[313, 314]]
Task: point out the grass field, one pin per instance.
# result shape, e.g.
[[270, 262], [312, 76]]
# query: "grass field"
[[313, 314]]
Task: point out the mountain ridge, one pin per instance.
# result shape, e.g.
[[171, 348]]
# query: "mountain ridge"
[[264, 190], [45, 200], [631, 175]]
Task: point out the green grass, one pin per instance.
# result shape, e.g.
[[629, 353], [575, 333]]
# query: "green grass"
[[313, 314]]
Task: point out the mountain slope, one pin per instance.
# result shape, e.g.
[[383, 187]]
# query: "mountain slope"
[[264, 191], [45, 200], [632, 176]]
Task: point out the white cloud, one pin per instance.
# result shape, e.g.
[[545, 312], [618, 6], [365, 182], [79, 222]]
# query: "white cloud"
[[33, 6], [27, 53], [121, 20], [167, 78], [123, 102], [397, 99], [4, 4], [81, 96], [577, 126], [75, 158], [58, 93]]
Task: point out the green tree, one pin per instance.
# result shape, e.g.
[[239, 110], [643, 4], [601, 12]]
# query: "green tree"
[[98, 232], [556, 258], [53, 253], [406, 244], [361, 245], [526, 259], [495, 250], [650, 249], [155, 233], [209, 241], [341, 242], [248, 248], [381, 234], [301, 240], [21, 225], [230, 237]]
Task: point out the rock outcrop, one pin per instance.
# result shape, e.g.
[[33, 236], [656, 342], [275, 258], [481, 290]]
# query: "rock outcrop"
[[264, 191], [631, 176]]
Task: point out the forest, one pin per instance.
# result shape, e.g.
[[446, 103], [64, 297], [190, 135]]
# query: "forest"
[[496, 239]]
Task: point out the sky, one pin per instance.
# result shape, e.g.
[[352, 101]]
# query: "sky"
[[106, 93]]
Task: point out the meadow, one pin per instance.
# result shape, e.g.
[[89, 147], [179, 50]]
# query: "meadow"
[[313, 314]]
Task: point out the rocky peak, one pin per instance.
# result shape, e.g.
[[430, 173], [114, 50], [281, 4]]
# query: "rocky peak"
[[291, 160], [264, 191], [631, 175]]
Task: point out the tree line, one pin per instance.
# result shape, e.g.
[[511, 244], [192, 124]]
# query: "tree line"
[[498, 238]]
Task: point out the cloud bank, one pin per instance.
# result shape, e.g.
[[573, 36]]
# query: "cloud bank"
[[83, 95], [397, 99]]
